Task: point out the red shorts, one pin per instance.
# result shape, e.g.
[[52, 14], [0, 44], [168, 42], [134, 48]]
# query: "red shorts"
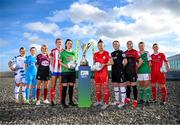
[[100, 78], [158, 77]]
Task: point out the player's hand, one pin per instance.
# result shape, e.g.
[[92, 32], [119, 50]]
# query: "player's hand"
[[125, 62]]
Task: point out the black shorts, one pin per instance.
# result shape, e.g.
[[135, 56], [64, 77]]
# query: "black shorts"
[[118, 76], [43, 75], [68, 77], [131, 77]]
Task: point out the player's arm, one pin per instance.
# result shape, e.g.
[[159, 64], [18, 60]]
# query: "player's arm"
[[51, 58], [9, 64], [140, 61], [166, 63]]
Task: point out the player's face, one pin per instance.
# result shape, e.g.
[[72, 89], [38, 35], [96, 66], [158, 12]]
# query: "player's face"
[[129, 45], [101, 46], [22, 52], [116, 45], [141, 47], [59, 43], [69, 44], [44, 50], [33, 51], [156, 48]]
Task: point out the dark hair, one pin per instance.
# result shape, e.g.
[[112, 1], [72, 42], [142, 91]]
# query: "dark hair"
[[129, 41], [141, 42], [21, 48], [66, 42], [32, 48], [115, 41], [100, 41], [58, 39], [155, 44]]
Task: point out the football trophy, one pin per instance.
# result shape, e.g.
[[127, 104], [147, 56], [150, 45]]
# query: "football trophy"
[[84, 78]]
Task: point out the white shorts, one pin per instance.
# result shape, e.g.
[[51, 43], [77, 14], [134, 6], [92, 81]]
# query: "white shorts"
[[143, 77], [19, 79]]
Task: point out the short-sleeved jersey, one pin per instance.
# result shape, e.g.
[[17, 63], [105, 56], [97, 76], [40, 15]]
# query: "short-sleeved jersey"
[[20, 64], [117, 57], [102, 58], [144, 68], [132, 58], [65, 58], [157, 61], [43, 61], [55, 54], [31, 65]]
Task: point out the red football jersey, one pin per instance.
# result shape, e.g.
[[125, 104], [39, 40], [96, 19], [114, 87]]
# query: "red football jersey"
[[157, 61], [132, 58], [102, 58]]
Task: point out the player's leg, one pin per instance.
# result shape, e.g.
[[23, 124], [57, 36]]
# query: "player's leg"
[[28, 85], [38, 92], [60, 87], [123, 94], [116, 93], [135, 91], [53, 86], [141, 88], [106, 92], [23, 85], [162, 82], [71, 80], [34, 89], [46, 92], [147, 89], [154, 87], [17, 88], [64, 90], [97, 82], [116, 87], [128, 88]]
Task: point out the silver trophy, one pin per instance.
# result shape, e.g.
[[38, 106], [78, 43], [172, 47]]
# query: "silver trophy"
[[85, 48]]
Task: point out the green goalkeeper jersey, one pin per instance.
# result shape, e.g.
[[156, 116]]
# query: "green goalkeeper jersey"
[[145, 68], [66, 57]]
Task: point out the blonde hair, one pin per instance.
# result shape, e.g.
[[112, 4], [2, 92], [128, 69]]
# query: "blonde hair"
[[44, 46]]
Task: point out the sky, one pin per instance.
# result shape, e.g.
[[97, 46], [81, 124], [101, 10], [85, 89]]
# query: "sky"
[[30, 23]]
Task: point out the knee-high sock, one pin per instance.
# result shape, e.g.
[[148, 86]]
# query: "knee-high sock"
[[70, 91], [123, 94], [98, 93], [60, 90], [141, 93], [148, 93], [24, 92], [163, 93], [135, 92], [45, 93], [52, 93], [116, 93], [128, 91], [38, 93], [154, 92], [27, 93], [34, 92], [64, 94], [16, 92], [106, 94]]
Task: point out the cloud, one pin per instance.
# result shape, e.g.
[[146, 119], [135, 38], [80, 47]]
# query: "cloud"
[[37, 46], [47, 28], [81, 12], [3, 42]]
